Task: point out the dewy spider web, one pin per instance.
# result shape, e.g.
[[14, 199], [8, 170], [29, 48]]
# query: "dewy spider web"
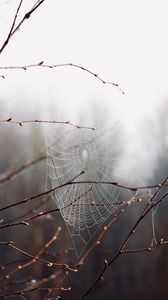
[[84, 207]]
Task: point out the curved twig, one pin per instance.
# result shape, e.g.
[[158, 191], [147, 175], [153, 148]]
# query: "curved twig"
[[53, 66], [22, 122]]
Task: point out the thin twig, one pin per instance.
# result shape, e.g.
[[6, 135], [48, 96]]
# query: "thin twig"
[[12, 27], [30, 215], [30, 212], [40, 252], [26, 200], [35, 258], [72, 182], [8, 176], [102, 234], [22, 122], [39, 214], [53, 66], [26, 221], [22, 292], [152, 203], [162, 242]]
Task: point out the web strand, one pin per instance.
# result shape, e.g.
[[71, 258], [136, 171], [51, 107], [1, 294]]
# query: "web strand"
[[70, 152]]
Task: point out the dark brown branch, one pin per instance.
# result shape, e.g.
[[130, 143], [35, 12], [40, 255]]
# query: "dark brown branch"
[[47, 289], [26, 200], [147, 208], [6, 177], [40, 252], [35, 258], [29, 284], [26, 221], [114, 218], [131, 188], [22, 122], [39, 214], [45, 280], [13, 262], [16, 28], [42, 65], [30, 215], [12, 27], [102, 234], [151, 204], [162, 242]]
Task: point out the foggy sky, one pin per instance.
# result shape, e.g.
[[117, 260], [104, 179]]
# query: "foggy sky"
[[124, 41]]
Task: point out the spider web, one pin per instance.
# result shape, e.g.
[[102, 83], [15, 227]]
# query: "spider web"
[[83, 206], [157, 213]]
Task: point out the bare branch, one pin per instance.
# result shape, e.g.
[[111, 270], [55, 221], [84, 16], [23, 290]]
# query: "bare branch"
[[35, 258], [151, 203], [26, 221], [102, 234], [26, 200], [22, 122], [33, 261], [12, 27], [46, 289], [31, 215], [72, 182], [53, 66], [6, 177]]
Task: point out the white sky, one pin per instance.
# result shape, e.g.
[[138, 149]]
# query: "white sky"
[[124, 41]]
